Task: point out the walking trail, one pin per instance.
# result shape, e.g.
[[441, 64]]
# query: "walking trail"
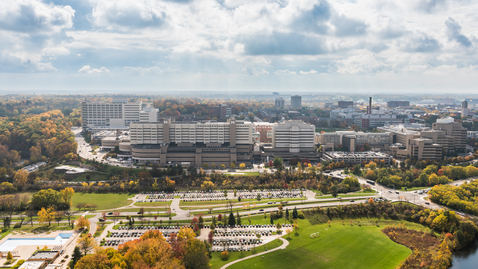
[[283, 246]]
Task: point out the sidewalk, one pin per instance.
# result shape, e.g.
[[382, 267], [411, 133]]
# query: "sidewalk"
[[286, 243]]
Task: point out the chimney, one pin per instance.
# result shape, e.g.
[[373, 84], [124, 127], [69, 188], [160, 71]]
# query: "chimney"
[[369, 109]]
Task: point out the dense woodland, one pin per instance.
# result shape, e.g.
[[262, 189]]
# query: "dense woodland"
[[464, 197]]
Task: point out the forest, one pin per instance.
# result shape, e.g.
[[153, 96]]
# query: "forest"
[[463, 198]]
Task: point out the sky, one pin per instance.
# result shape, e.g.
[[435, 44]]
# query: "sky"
[[167, 46]]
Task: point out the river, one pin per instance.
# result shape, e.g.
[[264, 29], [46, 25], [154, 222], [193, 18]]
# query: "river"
[[465, 259]]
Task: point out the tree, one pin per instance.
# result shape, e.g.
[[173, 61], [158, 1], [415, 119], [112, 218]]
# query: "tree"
[[238, 219], [295, 214], [141, 211], [210, 237], [9, 256], [67, 195], [278, 162], [150, 253], [46, 198], [21, 177], [196, 255], [75, 256], [86, 243], [59, 216], [233, 165], [186, 234], [231, 220], [242, 165], [46, 215], [68, 215], [31, 213], [82, 223]]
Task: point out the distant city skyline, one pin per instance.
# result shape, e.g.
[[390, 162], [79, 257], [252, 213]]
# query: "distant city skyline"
[[120, 46]]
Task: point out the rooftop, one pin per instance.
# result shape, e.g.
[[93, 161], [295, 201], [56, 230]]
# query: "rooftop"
[[44, 255], [369, 154]]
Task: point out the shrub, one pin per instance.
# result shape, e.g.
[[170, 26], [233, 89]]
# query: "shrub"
[[225, 255], [17, 225], [19, 263]]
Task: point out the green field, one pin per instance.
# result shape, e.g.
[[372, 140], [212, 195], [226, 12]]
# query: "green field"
[[152, 204], [103, 200], [216, 261], [338, 246], [243, 174], [94, 176]]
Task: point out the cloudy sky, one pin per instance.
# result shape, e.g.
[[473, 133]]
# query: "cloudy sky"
[[133, 46]]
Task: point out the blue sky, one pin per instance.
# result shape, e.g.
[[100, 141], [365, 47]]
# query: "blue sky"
[[79, 46]]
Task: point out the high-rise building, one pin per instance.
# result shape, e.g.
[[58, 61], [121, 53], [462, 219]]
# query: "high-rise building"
[[419, 142], [223, 111], [464, 109], [345, 104], [200, 143], [280, 102], [295, 102], [119, 113], [394, 104]]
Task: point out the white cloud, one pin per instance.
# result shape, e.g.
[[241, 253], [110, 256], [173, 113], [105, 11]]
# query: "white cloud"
[[227, 39], [285, 72], [311, 72], [124, 14], [87, 69]]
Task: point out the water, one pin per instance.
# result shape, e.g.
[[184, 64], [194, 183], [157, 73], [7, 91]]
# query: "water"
[[11, 243], [467, 258]]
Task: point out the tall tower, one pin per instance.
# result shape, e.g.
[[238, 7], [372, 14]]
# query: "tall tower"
[[295, 102], [369, 108], [464, 109]]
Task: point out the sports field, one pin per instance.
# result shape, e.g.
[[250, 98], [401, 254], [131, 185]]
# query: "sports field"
[[338, 246]]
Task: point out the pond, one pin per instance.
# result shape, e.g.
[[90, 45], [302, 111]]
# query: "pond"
[[467, 258]]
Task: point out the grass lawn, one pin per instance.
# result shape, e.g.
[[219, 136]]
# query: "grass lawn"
[[146, 209], [414, 188], [243, 174], [290, 206], [338, 246], [153, 204], [217, 262], [94, 176], [103, 200]]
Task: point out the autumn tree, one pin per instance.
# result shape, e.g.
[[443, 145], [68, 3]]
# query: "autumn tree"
[[46, 215], [67, 195], [82, 223], [196, 255], [86, 243], [21, 178]]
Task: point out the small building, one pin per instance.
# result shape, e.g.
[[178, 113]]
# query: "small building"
[[48, 256], [33, 265]]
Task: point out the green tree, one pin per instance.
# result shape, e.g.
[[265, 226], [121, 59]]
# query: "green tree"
[[46, 198], [238, 219], [196, 255], [75, 257], [278, 162], [231, 219], [295, 214]]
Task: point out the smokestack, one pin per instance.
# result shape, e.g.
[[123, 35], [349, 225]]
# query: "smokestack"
[[369, 110]]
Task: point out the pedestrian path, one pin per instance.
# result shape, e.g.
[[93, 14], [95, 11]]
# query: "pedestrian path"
[[283, 246]]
